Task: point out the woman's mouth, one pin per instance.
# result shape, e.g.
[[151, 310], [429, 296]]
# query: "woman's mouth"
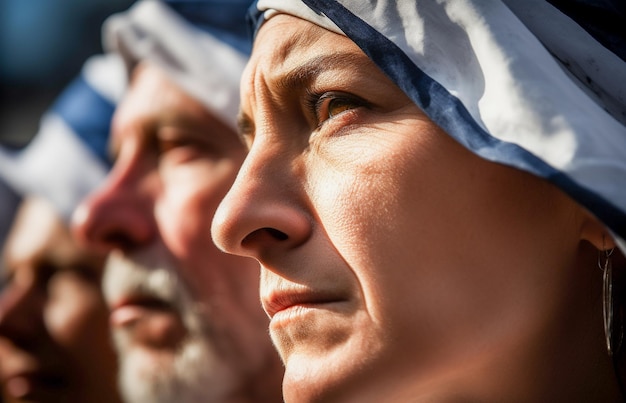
[[288, 303]]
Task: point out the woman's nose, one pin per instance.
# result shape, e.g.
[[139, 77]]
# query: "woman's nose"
[[119, 215], [264, 211]]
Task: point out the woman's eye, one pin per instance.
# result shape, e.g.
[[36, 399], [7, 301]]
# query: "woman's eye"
[[332, 104], [338, 105]]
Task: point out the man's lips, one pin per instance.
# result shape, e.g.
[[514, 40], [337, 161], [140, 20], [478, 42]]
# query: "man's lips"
[[129, 310], [149, 321]]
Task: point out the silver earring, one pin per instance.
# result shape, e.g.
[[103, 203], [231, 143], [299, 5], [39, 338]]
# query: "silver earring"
[[607, 297]]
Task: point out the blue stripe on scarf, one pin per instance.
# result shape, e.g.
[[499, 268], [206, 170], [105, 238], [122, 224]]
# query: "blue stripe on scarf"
[[450, 114], [224, 19], [88, 114]]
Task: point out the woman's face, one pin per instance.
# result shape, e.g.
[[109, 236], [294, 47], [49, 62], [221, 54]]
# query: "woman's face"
[[388, 251]]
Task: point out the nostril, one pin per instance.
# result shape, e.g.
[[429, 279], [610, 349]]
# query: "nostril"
[[263, 235], [118, 240], [279, 235]]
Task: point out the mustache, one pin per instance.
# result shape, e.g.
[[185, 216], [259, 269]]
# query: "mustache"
[[146, 273], [150, 273]]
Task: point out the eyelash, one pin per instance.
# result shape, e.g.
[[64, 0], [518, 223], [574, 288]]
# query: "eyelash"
[[181, 140], [316, 103]]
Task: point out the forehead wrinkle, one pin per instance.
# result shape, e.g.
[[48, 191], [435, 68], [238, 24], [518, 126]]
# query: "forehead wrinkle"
[[304, 38], [299, 45], [304, 74], [277, 89], [278, 73]]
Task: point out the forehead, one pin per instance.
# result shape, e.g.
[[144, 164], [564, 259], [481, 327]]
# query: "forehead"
[[287, 36], [285, 40], [155, 100], [151, 93], [290, 52]]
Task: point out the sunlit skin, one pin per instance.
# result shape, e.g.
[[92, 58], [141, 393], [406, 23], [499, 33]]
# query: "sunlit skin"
[[174, 161], [395, 264], [54, 335]]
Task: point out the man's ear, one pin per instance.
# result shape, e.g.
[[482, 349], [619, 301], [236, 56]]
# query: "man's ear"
[[596, 233]]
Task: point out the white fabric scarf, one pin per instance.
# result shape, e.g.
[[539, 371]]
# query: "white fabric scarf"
[[515, 81], [204, 66]]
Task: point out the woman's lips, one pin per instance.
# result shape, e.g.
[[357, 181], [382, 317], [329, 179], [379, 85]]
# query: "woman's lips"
[[283, 301]]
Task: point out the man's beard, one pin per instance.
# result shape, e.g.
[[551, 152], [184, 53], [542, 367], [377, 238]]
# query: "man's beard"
[[192, 372]]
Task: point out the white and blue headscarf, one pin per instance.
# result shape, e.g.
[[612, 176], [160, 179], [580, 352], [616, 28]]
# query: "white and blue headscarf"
[[201, 44], [539, 85], [67, 157]]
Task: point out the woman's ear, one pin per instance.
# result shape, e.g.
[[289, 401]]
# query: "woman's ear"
[[596, 233]]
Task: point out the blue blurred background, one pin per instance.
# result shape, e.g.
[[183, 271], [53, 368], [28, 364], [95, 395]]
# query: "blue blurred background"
[[43, 44]]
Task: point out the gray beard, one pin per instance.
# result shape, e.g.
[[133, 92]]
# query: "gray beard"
[[182, 377], [192, 373]]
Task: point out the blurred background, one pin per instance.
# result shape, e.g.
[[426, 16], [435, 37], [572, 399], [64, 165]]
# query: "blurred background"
[[43, 44]]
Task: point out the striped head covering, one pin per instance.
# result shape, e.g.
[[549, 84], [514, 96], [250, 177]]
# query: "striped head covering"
[[201, 44], [67, 157], [534, 84]]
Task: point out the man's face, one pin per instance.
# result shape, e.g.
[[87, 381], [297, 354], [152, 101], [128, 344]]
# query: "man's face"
[[54, 336], [174, 161]]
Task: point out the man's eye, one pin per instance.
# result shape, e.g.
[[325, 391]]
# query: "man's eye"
[[166, 145], [172, 138]]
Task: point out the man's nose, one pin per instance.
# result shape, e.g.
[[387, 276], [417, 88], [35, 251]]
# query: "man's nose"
[[118, 215]]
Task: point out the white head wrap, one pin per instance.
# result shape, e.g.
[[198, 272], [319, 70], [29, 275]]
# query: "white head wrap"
[[207, 68], [517, 82], [67, 158]]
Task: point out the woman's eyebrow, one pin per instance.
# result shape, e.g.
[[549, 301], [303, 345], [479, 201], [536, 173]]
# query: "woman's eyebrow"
[[302, 75], [299, 78]]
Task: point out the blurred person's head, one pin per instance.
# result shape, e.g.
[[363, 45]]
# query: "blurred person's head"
[[187, 322], [54, 336]]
